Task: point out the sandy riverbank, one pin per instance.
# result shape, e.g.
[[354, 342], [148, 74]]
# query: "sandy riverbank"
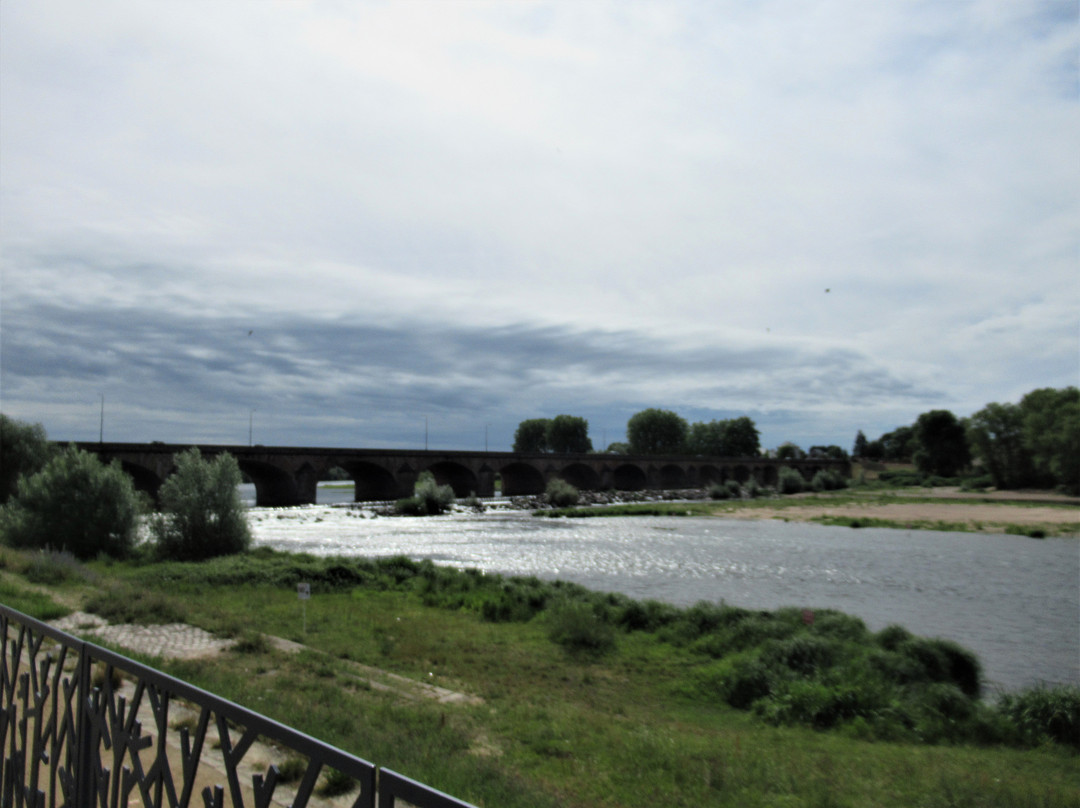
[[990, 511]]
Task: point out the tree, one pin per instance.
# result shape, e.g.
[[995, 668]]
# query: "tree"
[[654, 432], [741, 438], [706, 439], [568, 434], [899, 445], [830, 452], [531, 436], [996, 434], [24, 450], [789, 451], [201, 513], [1051, 432], [859, 449], [74, 503], [618, 447], [943, 448]]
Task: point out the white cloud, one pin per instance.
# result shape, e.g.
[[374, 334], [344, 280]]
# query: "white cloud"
[[701, 173]]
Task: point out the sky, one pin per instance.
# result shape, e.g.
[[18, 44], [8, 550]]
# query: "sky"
[[408, 224]]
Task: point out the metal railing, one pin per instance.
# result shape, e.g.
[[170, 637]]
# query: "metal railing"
[[83, 726]]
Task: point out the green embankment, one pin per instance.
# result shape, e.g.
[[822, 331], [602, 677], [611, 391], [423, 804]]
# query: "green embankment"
[[591, 699]]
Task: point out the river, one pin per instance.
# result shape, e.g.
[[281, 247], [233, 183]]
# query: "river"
[[1012, 600]]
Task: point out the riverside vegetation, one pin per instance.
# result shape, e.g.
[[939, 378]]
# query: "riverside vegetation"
[[589, 698]]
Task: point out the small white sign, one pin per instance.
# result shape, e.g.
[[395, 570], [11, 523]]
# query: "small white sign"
[[303, 591]]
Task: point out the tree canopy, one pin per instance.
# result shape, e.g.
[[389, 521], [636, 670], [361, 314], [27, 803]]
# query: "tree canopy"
[[943, 448], [24, 450], [654, 431], [568, 434], [201, 513], [531, 436]]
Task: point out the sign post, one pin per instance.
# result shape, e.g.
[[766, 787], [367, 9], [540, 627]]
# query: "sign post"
[[303, 591]]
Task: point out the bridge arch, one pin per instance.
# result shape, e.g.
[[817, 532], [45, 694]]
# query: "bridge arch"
[[144, 478], [741, 473], [371, 481], [669, 476], [457, 476], [709, 474], [581, 476], [521, 479], [629, 477], [273, 485], [769, 475]]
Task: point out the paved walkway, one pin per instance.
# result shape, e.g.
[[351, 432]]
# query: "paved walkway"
[[173, 640]]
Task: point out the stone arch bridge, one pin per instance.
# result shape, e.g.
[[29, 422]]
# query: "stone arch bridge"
[[286, 475]]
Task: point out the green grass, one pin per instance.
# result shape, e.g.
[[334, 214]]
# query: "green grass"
[[597, 700]]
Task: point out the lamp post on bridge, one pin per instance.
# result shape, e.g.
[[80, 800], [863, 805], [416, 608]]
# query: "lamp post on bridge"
[[251, 425], [101, 423]]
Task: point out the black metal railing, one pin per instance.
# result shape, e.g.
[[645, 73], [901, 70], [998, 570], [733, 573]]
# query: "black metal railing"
[[82, 726]]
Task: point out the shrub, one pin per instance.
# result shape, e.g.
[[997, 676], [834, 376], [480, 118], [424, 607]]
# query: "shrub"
[[75, 503], [560, 493], [804, 654], [428, 499], [753, 488], [979, 483], [749, 682], [202, 516], [575, 626], [790, 481], [718, 491], [1042, 713], [733, 488], [828, 481], [52, 567], [436, 498]]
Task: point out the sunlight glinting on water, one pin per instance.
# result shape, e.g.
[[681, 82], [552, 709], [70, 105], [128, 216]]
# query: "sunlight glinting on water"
[[1013, 600]]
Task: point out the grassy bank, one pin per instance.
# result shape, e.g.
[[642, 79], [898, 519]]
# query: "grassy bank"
[[584, 699]]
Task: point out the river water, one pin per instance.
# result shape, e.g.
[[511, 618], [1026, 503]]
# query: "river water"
[[1012, 600]]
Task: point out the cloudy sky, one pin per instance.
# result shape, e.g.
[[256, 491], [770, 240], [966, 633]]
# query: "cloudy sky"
[[336, 222]]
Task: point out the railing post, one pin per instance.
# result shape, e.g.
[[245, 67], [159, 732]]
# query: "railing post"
[[85, 790]]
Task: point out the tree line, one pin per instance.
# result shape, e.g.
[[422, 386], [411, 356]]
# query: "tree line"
[[649, 432], [1033, 443]]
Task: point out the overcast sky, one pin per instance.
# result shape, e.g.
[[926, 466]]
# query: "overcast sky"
[[332, 222]]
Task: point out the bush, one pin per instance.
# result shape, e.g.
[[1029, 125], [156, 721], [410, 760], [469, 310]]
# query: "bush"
[[979, 483], [733, 488], [575, 626], [790, 481], [828, 481], [560, 493], [717, 491], [1042, 713], [753, 489], [74, 503], [428, 499], [202, 516]]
